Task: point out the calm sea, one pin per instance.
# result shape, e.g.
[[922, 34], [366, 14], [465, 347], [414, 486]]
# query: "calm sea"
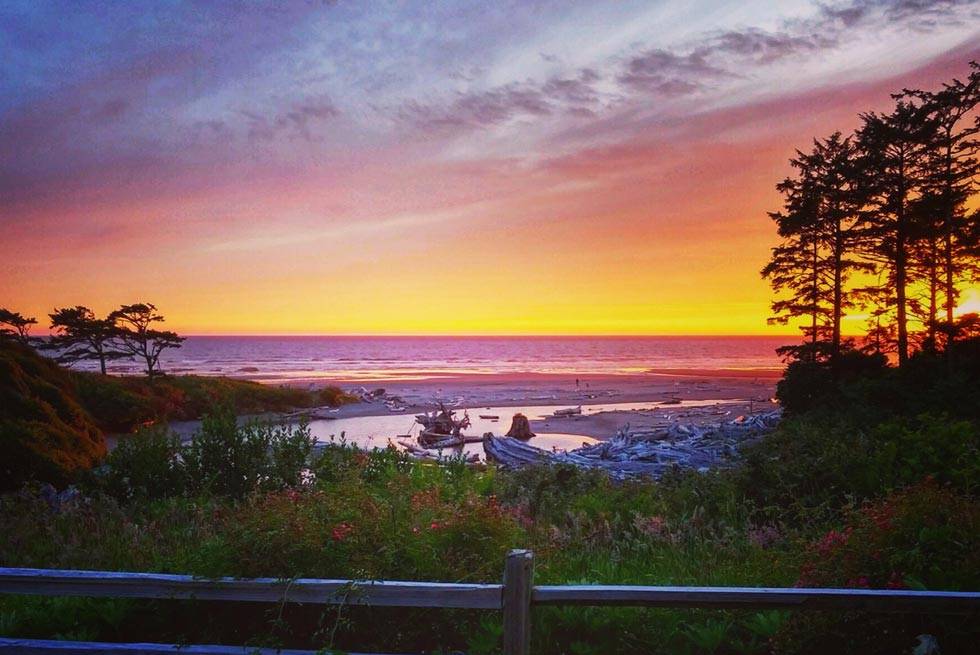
[[277, 359]]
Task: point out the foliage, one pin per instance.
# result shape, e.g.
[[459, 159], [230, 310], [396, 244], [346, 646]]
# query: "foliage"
[[78, 335], [861, 385], [222, 459], [14, 326], [815, 465], [124, 404], [925, 536], [134, 328], [44, 433]]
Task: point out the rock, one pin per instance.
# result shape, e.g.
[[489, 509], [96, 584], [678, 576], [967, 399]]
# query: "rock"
[[520, 427]]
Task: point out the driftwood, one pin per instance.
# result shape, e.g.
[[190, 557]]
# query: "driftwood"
[[520, 427], [442, 424], [570, 411], [646, 453], [417, 452]]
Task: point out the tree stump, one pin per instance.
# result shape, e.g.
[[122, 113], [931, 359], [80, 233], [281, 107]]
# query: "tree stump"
[[520, 427]]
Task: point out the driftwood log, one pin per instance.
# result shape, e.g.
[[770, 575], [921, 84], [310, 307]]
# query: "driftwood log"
[[647, 453], [520, 427]]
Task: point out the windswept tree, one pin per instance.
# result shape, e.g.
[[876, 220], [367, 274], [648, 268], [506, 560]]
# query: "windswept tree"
[[138, 337], [77, 334], [14, 325]]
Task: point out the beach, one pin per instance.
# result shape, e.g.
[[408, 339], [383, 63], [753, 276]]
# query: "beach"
[[609, 401]]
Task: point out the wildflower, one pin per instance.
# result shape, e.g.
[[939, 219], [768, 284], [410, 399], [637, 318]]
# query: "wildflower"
[[764, 536], [341, 531]]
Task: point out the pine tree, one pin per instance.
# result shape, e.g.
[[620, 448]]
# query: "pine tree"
[[951, 169], [796, 266], [891, 163]]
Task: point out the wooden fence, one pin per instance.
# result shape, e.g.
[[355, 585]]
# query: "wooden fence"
[[514, 598]]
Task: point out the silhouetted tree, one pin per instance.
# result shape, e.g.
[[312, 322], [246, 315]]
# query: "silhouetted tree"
[[815, 260], [14, 325], [79, 335], [887, 207], [951, 168], [795, 267], [137, 336], [891, 163]]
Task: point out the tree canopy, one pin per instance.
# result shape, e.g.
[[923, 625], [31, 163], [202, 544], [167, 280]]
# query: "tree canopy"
[[878, 221]]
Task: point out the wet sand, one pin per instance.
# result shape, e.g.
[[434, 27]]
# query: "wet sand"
[[736, 392]]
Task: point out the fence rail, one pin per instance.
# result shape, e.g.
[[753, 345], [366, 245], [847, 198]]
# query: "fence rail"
[[514, 598]]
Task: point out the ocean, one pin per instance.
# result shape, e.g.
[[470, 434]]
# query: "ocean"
[[347, 358]]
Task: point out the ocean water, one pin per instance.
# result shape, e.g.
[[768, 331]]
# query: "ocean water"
[[294, 358]]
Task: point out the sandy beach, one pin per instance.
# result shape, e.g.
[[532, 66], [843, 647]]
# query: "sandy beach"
[[729, 392]]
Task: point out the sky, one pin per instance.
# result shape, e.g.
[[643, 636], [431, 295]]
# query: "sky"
[[311, 167]]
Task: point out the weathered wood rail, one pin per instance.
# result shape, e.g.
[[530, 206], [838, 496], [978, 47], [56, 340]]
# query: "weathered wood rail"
[[514, 598]]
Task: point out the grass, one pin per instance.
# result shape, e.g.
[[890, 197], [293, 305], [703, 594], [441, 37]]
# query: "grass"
[[834, 497], [124, 404]]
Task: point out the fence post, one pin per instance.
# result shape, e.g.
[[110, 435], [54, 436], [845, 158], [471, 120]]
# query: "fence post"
[[518, 576]]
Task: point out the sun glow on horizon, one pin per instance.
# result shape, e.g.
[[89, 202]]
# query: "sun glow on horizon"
[[474, 176]]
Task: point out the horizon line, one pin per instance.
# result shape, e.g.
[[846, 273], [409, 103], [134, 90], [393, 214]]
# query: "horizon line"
[[498, 335]]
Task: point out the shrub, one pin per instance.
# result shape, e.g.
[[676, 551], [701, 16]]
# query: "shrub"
[[44, 433], [221, 459], [813, 465], [925, 536], [145, 466], [227, 459]]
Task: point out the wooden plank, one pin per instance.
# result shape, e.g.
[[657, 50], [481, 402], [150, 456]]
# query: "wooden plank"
[[876, 600], [50, 582], [518, 577], [50, 647]]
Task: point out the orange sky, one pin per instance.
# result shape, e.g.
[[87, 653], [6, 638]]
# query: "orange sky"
[[619, 189]]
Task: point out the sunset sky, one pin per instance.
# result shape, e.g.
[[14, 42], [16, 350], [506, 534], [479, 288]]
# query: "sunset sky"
[[460, 167]]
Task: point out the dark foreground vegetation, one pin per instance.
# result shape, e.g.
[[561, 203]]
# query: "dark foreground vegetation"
[[850, 491], [53, 421]]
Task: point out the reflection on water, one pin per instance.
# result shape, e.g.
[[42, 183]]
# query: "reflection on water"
[[375, 431]]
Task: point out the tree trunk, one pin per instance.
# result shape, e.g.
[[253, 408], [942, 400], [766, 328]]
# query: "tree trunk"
[[948, 237], [815, 290], [901, 270], [901, 299], [838, 291]]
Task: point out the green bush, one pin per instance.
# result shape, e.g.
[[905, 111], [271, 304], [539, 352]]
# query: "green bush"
[[923, 537], [221, 459], [813, 465]]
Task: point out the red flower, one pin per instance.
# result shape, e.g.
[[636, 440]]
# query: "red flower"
[[341, 531]]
